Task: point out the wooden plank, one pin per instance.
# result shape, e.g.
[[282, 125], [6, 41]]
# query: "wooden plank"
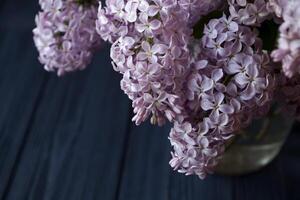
[[60, 138], [17, 104], [146, 169]]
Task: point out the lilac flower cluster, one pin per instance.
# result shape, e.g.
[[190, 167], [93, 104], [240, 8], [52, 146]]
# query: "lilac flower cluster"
[[288, 43], [150, 50], [277, 6], [199, 8], [65, 35], [209, 91], [118, 17], [208, 88], [251, 13], [229, 84]]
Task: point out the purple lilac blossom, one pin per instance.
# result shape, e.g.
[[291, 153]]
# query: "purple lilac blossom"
[[199, 8], [65, 35], [150, 49], [251, 13], [277, 6], [288, 51], [209, 89], [229, 84], [117, 17]]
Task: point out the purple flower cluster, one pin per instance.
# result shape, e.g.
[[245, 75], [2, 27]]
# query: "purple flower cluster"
[[288, 51], [118, 17], [209, 88], [229, 84], [65, 35], [150, 49], [277, 6], [199, 8], [251, 13]]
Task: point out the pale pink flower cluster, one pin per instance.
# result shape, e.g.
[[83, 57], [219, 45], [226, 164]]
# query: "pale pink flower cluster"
[[288, 51], [65, 35], [229, 84]]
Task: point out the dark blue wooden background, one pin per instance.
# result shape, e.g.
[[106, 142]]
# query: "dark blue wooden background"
[[72, 138]]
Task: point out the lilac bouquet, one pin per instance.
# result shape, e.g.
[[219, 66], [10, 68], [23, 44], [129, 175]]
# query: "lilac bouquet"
[[208, 67]]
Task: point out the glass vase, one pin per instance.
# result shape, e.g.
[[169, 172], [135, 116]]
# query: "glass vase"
[[256, 146]]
